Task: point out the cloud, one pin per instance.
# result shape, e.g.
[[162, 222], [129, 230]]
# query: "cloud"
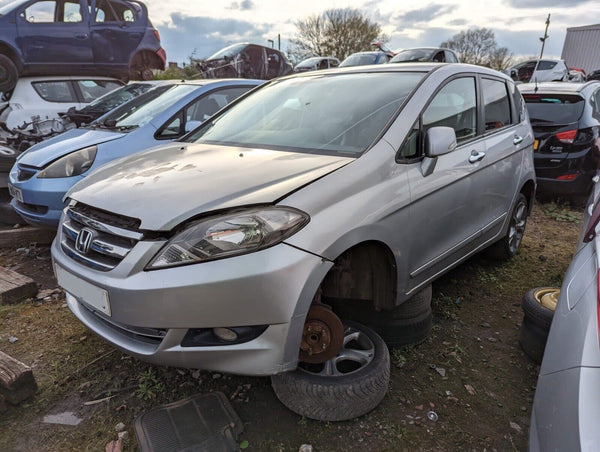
[[244, 5], [458, 22], [206, 35], [546, 3], [423, 15]]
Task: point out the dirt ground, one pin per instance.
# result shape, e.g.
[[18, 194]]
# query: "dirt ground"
[[470, 372]]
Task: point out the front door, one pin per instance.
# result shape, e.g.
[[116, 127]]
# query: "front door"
[[54, 32], [117, 30]]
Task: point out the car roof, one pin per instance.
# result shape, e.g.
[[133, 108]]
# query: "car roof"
[[556, 87], [448, 68], [53, 78]]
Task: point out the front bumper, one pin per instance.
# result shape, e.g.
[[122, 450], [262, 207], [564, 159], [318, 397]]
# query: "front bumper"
[[566, 410], [42, 198], [273, 287]]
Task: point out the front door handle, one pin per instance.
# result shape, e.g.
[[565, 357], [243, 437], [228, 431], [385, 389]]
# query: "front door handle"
[[517, 140], [476, 156], [81, 36]]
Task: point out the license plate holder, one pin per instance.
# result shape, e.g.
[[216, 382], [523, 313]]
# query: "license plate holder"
[[89, 294], [15, 193]]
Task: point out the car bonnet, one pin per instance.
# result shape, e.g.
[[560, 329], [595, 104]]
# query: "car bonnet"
[[168, 185], [47, 151]]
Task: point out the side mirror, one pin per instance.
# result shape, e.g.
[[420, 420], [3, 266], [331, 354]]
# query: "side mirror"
[[440, 141], [514, 74]]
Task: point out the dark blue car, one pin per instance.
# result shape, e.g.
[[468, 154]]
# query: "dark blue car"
[[67, 37]]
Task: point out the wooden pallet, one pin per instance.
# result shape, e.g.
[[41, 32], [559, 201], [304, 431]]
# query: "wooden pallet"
[[16, 380], [15, 287]]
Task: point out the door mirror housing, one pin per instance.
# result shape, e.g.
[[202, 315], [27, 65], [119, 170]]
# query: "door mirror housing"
[[440, 141]]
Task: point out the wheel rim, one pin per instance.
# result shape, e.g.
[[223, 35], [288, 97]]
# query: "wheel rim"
[[357, 352], [547, 297], [517, 227]]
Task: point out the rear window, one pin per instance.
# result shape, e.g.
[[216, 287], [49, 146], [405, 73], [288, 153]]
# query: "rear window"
[[359, 60], [554, 108]]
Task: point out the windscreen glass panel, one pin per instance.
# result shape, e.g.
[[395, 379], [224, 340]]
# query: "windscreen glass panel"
[[309, 62], [359, 60], [140, 111], [340, 114], [227, 52], [554, 108], [118, 97], [412, 55]]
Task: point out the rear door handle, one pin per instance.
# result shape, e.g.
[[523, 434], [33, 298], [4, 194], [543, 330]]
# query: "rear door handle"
[[517, 140], [476, 156], [81, 36]]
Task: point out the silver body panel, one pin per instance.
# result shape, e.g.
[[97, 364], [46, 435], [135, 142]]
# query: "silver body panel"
[[566, 407], [429, 222]]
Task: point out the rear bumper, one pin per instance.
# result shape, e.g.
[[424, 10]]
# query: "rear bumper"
[[162, 54], [566, 410], [580, 186]]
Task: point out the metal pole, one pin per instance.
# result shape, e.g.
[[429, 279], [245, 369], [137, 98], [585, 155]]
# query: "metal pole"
[[278, 41], [545, 36]]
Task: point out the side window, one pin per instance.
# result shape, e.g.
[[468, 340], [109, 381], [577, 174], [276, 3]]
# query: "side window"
[[439, 57], [41, 12], [410, 147], [333, 63], [172, 129], [454, 106], [208, 105], [546, 65], [93, 89], [496, 104], [55, 91], [322, 64], [111, 11], [597, 104], [450, 58], [72, 12]]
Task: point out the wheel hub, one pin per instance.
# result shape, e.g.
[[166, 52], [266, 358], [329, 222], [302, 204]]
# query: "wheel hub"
[[322, 336]]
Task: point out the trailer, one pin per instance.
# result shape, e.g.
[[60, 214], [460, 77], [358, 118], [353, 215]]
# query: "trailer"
[[582, 48]]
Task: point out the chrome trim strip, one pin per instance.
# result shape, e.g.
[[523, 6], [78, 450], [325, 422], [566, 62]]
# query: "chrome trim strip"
[[72, 253], [101, 227], [109, 249]]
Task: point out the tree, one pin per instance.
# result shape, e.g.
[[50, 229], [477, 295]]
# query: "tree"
[[479, 46], [335, 32]]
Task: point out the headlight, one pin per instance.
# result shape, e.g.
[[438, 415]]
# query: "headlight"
[[232, 234], [73, 164]]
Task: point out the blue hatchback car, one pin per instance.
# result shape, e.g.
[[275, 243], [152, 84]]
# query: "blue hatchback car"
[[68, 37], [45, 172]]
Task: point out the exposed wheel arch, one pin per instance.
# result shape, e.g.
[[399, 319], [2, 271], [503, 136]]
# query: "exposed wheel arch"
[[11, 53], [145, 59], [528, 189]]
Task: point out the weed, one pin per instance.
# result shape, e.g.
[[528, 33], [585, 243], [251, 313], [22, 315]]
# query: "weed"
[[398, 358], [561, 213], [149, 385]]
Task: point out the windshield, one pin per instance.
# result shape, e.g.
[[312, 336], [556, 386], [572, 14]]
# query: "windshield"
[[359, 59], [9, 7], [412, 55], [340, 114], [227, 52], [117, 97], [309, 62], [143, 109], [554, 108]]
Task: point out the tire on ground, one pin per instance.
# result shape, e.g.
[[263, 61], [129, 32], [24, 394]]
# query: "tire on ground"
[[501, 250], [532, 340], [534, 311], [337, 398], [9, 74]]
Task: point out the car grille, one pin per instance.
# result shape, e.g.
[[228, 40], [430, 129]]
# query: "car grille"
[[112, 236], [25, 173]]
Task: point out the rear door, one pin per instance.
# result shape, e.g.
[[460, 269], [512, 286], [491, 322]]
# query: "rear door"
[[116, 29], [54, 32]]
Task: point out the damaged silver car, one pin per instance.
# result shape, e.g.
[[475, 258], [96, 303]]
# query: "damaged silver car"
[[320, 200]]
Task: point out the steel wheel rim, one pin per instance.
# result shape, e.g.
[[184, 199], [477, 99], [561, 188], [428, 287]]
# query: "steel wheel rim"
[[358, 351], [517, 227]]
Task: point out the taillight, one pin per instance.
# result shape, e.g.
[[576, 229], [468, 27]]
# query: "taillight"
[[568, 177], [157, 34], [567, 137]]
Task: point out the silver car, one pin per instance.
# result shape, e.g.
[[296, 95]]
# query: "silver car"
[[366, 182], [566, 406]]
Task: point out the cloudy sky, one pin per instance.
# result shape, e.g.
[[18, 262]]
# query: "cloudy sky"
[[188, 25]]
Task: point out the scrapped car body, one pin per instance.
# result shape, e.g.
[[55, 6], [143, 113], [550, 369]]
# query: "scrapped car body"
[[110, 101], [66, 37], [246, 61], [566, 406], [316, 63], [424, 54], [366, 58], [362, 183], [539, 71], [44, 98], [46, 171], [566, 123]]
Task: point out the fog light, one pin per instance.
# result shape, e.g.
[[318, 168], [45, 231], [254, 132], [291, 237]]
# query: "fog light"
[[225, 334]]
